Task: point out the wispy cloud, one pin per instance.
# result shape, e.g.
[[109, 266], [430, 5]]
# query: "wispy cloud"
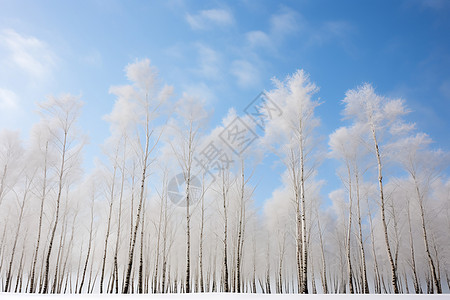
[[93, 58], [208, 62], [282, 24], [28, 54], [329, 31], [201, 91], [288, 22], [285, 22], [246, 73], [445, 89], [8, 100], [205, 19], [437, 5], [259, 38]]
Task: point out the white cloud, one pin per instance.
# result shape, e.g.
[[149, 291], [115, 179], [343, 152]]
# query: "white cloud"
[[331, 31], [445, 89], [285, 22], [289, 22], [247, 74], [28, 54], [202, 91], [209, 61], [175, 51], [337, 28], [93, 58], [437, 5], [205, 19], [10, 110], [8, 99], [259, 39], [282, 24]]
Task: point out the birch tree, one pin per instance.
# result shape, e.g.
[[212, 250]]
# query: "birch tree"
[[295, 127], [61, 115], [192, 115], [42, 141], [423, 166], [148, 98], [91, 232], [22, 200], [346, 146], [111, 192], [379, 116], [224, 194]]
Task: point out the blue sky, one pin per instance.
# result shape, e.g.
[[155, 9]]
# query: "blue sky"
[[226, 52]]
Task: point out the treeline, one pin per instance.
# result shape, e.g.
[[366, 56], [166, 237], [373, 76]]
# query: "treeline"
[[170, 208]]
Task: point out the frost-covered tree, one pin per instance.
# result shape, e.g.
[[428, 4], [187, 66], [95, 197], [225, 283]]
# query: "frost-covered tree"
[[291, 133], [346, 146], [61, 114], [147, 95], [380, 117], [118, 228], [423, 166], [191, 114]]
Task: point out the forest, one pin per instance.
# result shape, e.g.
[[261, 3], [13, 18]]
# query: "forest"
[[170, 206]]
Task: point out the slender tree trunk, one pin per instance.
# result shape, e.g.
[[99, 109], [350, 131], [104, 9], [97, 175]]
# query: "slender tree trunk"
[[141, 255], [89, 245], [413, 259], [165, 254], [108, 226], [225, 234], [59, 257], [55, 224], [438, 272], [448, 280], [268, 291], [19, 276], [188, 237], [41, 212], [202, 222], [126, 287], [377, 281], [69, 251], [349, 231], [365, 283], [78, 268], [155, 275], [383, 215], [91, 268], [434, 275], [188, 213], [16, 237], [254, 264], [44, 254], [240, 239], [298, 219], [304, 286], [313, 279], [280, 264], [324, 266], [119, 219]]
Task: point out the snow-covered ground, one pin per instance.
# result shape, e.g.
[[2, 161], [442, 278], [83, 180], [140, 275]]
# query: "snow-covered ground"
[[217, 296]]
